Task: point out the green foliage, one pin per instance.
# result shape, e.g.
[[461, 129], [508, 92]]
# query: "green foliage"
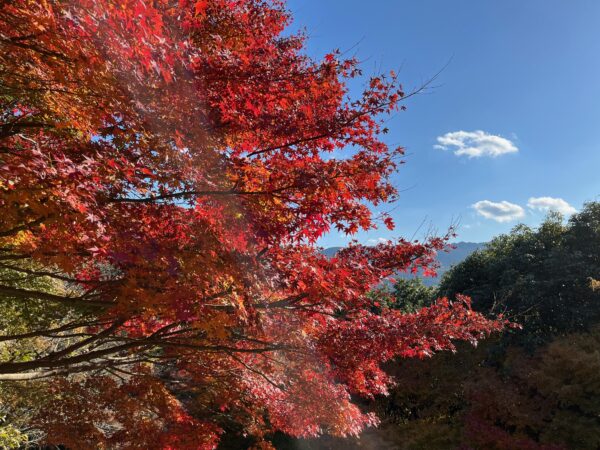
[[18, 403], [17, 316], [22, 314], [412, 295], [537, 388], [11, 437], [541, 278], [406, 295]]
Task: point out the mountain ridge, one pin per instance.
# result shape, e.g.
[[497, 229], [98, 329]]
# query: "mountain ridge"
[[446, 259]]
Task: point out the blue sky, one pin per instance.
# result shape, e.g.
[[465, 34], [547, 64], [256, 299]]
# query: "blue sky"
[[525, 72]]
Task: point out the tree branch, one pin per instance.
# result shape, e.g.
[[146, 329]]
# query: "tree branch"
[[72, 301]]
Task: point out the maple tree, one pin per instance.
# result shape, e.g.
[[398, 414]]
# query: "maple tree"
[[166, 168]]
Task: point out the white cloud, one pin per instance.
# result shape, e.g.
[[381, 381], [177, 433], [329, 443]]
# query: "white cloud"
[[551, 204], [475, 144], [499, 211], [377, 241]]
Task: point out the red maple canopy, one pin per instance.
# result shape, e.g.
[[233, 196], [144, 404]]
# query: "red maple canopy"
[[171, 164]]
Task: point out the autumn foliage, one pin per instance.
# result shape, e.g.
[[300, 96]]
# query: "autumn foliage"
[[168, 166]]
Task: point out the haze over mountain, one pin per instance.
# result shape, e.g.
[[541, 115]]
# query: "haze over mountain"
[[446, 259]]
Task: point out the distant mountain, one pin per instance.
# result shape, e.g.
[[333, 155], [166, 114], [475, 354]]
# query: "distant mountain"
[[459, 253], [331, 251], [446, 259]]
